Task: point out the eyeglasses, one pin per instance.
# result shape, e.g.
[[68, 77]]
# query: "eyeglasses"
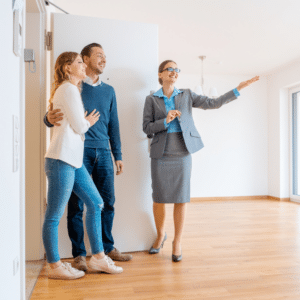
[[171, 70]]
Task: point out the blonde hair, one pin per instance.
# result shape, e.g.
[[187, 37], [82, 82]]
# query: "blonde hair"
[[60, 72]]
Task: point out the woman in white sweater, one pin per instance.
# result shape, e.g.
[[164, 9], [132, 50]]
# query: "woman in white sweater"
[[65, 170]]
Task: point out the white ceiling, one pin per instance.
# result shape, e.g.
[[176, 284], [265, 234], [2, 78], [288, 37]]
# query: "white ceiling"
[[237, 36]]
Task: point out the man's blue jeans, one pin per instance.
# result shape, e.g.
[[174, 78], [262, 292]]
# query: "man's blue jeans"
[[98, 163], [62, 179]]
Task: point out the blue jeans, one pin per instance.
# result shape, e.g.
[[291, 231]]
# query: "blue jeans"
[[62, 179], [99, 164]]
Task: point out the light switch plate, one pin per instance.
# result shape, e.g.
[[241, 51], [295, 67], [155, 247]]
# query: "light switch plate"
[[16, 265]]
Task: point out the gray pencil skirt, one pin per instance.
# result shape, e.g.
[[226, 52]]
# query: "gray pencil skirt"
[[171, 177]]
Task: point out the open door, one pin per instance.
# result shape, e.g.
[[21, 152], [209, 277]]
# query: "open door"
[[132, 61]]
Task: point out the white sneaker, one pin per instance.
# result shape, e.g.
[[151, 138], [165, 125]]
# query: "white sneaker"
[[65, 271], [104, 264]]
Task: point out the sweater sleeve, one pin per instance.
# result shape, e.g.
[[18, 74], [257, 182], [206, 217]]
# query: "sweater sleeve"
[[48, 124], [114, 129], [73, 107]]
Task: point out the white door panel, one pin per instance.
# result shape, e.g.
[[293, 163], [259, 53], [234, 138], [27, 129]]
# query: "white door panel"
[[132, 61]]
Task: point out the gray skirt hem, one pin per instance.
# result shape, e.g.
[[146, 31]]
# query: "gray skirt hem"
[[171, 179]]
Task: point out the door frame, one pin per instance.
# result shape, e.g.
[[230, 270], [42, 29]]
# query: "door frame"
[[293, 198], [37, 82]]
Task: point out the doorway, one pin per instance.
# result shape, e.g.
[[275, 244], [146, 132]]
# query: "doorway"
[[134, 228]]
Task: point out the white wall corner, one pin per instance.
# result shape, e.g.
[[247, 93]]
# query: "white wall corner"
[[284, 143], [279, 83]]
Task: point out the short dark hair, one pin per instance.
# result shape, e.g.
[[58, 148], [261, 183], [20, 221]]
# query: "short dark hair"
[[162, 66], [87, 50]]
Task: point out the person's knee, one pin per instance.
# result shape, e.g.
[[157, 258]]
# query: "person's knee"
[[52, 221], [75, 203], [108, 207], [75, 213], [109, 200], [179, 204], [95, 207], [100, 206]]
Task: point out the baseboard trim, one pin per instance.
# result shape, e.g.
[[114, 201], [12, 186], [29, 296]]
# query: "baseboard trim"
[[234, 198], [279, 199]]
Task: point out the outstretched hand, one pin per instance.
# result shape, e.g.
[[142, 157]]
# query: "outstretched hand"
[[244, 84]]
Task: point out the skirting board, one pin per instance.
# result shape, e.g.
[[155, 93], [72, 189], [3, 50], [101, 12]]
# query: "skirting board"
[[200, 199]]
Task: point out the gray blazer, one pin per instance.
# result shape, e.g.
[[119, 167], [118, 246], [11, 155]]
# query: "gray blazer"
[[155, 113]]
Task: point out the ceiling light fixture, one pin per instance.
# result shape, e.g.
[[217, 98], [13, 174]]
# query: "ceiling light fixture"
[[200, 88]]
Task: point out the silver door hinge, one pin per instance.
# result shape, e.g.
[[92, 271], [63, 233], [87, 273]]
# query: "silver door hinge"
[[48, 40]]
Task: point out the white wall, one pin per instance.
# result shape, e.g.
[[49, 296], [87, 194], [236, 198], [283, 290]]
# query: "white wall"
[[278, 132], [11, 187], [234, 161]]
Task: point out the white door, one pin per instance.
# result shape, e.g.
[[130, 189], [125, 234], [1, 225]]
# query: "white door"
[[132, 61]]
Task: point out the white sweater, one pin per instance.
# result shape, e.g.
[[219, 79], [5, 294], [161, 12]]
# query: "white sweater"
[[67, 143]]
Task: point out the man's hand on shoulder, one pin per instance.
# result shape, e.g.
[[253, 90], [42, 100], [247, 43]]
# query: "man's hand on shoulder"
[[54, 116], [120, 167]]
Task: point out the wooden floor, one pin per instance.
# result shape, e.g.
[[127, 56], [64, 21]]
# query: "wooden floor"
[[232, 250], [32, 271]]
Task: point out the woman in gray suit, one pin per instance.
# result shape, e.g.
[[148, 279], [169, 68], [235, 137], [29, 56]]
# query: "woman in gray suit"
[[168, 119]]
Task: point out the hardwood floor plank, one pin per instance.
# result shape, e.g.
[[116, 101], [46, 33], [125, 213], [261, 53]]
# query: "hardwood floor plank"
[[232, 250]]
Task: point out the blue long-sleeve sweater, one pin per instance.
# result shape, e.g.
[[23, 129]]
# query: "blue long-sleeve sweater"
[[102, 98]]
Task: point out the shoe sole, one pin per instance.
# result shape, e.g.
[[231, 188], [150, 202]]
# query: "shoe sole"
[[65, 278], [103, 271], [121, 259]]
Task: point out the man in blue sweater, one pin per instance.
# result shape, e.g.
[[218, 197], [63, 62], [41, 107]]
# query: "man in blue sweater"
[[105, 134]]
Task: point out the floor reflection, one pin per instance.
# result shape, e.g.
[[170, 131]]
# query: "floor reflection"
[[33, 269]]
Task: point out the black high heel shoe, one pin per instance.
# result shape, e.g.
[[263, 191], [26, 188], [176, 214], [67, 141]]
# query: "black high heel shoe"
[[176, 258], [156, 250]]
